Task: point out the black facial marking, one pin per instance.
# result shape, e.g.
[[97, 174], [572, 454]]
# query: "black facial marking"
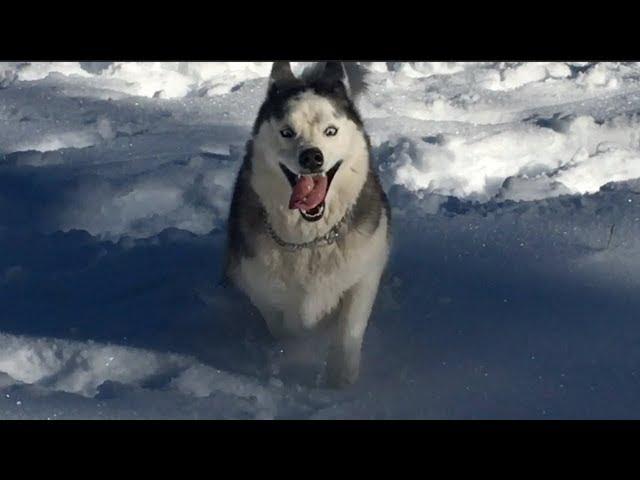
[[287, 133], [331, 88]]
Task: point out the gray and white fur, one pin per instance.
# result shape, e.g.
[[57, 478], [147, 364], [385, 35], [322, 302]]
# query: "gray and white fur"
[[301, 267]]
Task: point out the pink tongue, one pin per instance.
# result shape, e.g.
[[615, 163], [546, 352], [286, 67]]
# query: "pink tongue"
[[308, 192]]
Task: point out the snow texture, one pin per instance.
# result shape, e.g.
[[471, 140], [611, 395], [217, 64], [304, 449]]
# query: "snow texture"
[[512, 289]]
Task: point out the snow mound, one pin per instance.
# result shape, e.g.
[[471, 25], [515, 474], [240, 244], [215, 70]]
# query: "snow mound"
[[578, 155], [148, 79], [77, 367], [99, 373]]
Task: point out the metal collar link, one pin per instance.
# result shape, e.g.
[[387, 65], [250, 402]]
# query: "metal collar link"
[[327, 239]]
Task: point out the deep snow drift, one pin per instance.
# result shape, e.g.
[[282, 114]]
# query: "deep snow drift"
[[512, 290]]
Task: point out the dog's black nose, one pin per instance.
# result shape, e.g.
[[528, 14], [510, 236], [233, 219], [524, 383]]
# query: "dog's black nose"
[[311, 159]]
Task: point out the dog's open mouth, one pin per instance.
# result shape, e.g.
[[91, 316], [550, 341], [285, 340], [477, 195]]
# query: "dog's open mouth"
[[309, 191]]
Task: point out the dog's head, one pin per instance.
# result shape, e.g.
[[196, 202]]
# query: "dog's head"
[[309, 131]]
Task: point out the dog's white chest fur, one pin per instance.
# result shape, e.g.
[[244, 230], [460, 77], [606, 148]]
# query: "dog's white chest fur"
[[307, 284]]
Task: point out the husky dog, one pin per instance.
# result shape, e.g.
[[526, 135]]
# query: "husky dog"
[[308, 229]]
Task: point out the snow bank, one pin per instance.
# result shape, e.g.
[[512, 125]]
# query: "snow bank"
[[178, 79], [510, 77], [516, 131], [571, 152], [148, 79], [78, 367], [98, 372], [30, 71], [191, 195], [466, 129]]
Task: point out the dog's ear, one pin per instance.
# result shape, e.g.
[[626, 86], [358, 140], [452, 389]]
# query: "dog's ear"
[[281, 73], [357, 77], [335, 74]]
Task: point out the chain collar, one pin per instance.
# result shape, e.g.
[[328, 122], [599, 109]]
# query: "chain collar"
[[327, 239]]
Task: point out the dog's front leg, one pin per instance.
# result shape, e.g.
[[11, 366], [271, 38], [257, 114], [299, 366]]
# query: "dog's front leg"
[[343, 363]]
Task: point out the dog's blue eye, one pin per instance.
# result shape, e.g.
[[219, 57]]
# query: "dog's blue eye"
[[330, 131], [287, 133]]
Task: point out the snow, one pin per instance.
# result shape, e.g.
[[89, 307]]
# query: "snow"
[[512, 290]]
